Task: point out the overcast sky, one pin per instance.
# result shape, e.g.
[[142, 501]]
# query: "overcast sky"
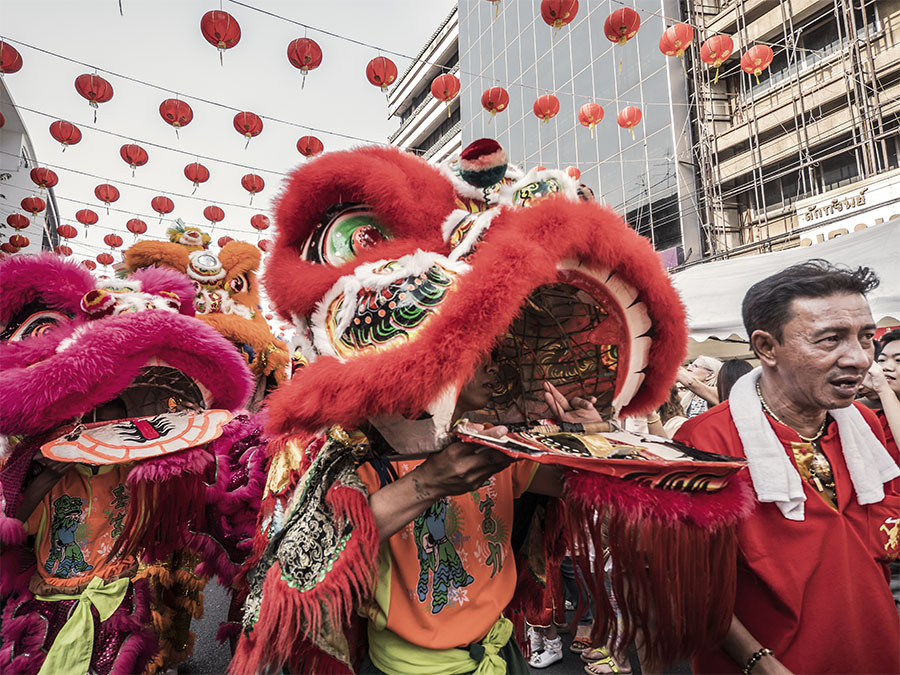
[[160, 43]]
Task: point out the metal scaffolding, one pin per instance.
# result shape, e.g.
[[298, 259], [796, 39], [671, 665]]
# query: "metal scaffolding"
[[735, 215]]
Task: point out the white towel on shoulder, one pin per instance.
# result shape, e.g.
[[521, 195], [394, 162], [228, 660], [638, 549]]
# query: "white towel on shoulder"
[[775, 479]]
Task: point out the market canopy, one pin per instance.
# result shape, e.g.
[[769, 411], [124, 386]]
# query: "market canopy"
[[712, 292]]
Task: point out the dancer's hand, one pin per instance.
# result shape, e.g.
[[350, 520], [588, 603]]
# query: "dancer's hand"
[[578, 410]]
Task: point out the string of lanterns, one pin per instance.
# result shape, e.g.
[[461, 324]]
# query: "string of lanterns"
[[221, 30]]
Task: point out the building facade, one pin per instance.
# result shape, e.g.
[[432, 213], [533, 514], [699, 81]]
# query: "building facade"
[[810, 150], [429, 127], [17, 159], [648, 176]]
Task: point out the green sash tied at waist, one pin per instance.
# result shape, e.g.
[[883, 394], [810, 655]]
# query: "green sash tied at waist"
[[71, 651], [392, 654]]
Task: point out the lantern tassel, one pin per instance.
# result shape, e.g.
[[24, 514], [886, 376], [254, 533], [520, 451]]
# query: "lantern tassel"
[[716, 81], [196, 185], [176, 134], [632, 133], [64, 146], [251, 198], [247, 144], [221, 61], [121, 13], [491, 118], [496, 9], [107, 208], [757, 78], [132, 170], [303, 80], [448, 110], [620, 66], [592, 130]]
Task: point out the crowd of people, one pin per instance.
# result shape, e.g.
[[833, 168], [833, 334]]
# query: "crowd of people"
[[378, 542]]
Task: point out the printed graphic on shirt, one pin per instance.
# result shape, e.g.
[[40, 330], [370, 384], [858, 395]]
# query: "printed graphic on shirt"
[[115, 515], [495, 531], [439, 564], [890, 528], [65, 553]]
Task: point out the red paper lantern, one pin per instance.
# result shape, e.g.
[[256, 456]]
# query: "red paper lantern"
[[10, 59], [196, 173], [63, 250], [259, 222], [253, 184], [19, 241], [107, 194], [105, 259], [66, 231], [6, 247], [757, 59], [162, 205], [573, 172], [65, 133], [95, 89], [558, 13], [381, 72], [86, 217], [177, 113], [2, 121], [34, 205], [716, 51], [90, 264], [136, 226], [310, 146], [676, 39], [264, 245], [445, 88], [546, 107], [44, 178], [17, 221], [112, 240], [590, 115], [224, 240], [249, 124], [304, 54], [134, 155], [221, 30], [213, 214], [495, 100], [622, 25], [629, 118]]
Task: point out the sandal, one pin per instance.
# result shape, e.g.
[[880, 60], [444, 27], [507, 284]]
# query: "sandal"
[[603, 665], [580, 645]]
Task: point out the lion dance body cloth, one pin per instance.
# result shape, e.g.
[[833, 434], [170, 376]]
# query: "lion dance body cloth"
[[400, 279], [120, 408]]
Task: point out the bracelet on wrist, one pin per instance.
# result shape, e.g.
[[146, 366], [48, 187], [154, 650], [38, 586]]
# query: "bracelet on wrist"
[[755, 657], [654, 419]]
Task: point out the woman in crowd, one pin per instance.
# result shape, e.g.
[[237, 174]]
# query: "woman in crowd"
[[699, 382]]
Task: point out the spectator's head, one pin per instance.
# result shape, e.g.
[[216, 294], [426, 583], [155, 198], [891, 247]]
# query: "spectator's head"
[[730, 372], [889, 359], [705, 369], [812, 329]]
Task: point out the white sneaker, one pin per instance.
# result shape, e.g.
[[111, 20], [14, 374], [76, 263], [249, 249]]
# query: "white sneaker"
[[552, 653], [535, 639]]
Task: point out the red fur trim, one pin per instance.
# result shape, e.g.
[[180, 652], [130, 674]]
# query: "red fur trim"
[[288, 617], [160, 508], [520, 252], [392, 182], [674, 561]]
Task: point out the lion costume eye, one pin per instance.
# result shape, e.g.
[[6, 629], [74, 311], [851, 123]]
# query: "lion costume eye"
[[239, 284], [35, 324], [345, 231]]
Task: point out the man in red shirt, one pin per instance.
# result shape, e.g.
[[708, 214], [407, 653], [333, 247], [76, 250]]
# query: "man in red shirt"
[[812, 592]]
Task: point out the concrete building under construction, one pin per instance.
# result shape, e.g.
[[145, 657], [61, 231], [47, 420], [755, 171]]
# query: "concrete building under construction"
[[810, 150]]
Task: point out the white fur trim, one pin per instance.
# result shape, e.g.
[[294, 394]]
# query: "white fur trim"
[[568, 184], [482, 223], [302, 335]]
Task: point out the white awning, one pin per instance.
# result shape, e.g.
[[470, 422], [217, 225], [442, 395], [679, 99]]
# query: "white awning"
[[712, 292]]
